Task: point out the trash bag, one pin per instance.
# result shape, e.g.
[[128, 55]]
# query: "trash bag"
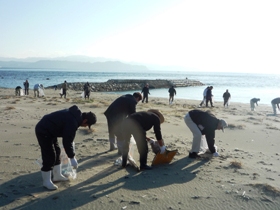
[[83, 94], [132, 143], [66, 169]]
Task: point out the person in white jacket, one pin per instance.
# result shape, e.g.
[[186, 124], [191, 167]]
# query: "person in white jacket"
[[36, 90], [204, 96]]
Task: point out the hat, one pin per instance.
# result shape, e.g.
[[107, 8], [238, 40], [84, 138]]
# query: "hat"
[[223, 124], [155, 111], [91, 118]]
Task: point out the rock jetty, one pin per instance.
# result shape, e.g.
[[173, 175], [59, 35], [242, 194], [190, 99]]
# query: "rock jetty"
[[130, 84]]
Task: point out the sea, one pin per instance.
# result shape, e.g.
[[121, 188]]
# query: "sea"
[[242, 86]]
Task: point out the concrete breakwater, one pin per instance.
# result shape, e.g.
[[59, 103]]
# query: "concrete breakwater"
[[129, 84]]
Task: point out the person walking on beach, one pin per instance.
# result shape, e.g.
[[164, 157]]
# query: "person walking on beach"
[[26, 87], [254, 101], [275, 102], [62, 123], [203, 125], [87, 90], [145, 92], [204, 97], [117, 112], [172, 92], [226, 97], [138, 124], [36, 89], [209, 96], [64, 89]]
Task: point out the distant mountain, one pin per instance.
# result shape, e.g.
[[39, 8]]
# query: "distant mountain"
[[68, 63]]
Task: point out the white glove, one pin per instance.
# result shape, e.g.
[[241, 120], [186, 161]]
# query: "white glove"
[[151, 141], [216, 154], [162, 149], [74, 163]]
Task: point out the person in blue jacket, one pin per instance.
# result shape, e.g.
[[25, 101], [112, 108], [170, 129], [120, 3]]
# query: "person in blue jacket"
[[62, 123]]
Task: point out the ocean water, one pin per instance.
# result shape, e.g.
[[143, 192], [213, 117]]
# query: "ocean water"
[[242, 86]]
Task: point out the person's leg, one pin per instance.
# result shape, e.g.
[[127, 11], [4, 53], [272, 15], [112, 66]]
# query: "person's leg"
[[147, 98], [48, 157], [112, 139], [196, 134], [207, 100], [274, 108]]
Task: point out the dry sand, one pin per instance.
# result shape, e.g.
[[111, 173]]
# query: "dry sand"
[[245, 176]]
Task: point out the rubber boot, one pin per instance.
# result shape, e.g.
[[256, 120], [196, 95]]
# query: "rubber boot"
[[47, 182], [57, 176]]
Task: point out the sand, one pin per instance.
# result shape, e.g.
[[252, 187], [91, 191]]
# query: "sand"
[[245, 175]]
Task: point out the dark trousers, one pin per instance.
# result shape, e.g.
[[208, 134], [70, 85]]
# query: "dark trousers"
[[63, 93], [26, 91], [145, 98], [209, 99], [50, 151], [131, 127]]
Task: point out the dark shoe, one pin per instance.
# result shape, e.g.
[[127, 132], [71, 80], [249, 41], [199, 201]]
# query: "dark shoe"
[[145, 167], [193, 155]]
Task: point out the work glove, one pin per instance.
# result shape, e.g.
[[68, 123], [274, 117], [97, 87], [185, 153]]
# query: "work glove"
[[74, 163], [162, 149], [216, 154]]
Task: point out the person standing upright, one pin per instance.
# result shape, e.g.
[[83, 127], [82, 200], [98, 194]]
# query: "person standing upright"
[[64, 89], [209, 96], [26, 87], [204, 96], [226, 97], [172, 92], [145, 92]]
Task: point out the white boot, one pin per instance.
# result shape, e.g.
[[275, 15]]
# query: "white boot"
[[47, 182], [57, 176]]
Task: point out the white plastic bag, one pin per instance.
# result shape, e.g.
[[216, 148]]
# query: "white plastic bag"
[[83, 94], [132, 143], [66, 168], [203, 145]]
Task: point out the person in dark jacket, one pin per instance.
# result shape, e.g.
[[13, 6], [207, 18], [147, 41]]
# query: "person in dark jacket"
[[209, 96], [203, 123], [117, 112], [87, 88], [26, 87], [17, 90], [226, 97], [172, 92], [145, 92], [137, 124], [63, 123], [64, 89]]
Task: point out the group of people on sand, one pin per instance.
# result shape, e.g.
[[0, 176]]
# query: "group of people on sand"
[[38, 89], [123, 122]]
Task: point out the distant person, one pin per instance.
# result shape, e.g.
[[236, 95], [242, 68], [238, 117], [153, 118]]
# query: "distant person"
[[204, 96], [17, 90], [36, 90], [87, 90], [26, 87], [145, 92], [172, 92], [62, 123], [64, 89], [137, 124], [226, 97], [117, 112], [254, 101], [203, 125], [275, 102], [209, 96]]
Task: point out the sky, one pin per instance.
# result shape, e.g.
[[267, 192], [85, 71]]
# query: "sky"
[[202, 35]]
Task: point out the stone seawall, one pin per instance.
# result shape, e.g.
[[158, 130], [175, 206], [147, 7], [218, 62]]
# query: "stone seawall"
[[129, 84]]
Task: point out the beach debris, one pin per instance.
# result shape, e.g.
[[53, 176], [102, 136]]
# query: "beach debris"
[[124, 207]]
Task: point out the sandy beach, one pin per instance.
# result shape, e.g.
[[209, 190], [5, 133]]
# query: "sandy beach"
[[245, 176]]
